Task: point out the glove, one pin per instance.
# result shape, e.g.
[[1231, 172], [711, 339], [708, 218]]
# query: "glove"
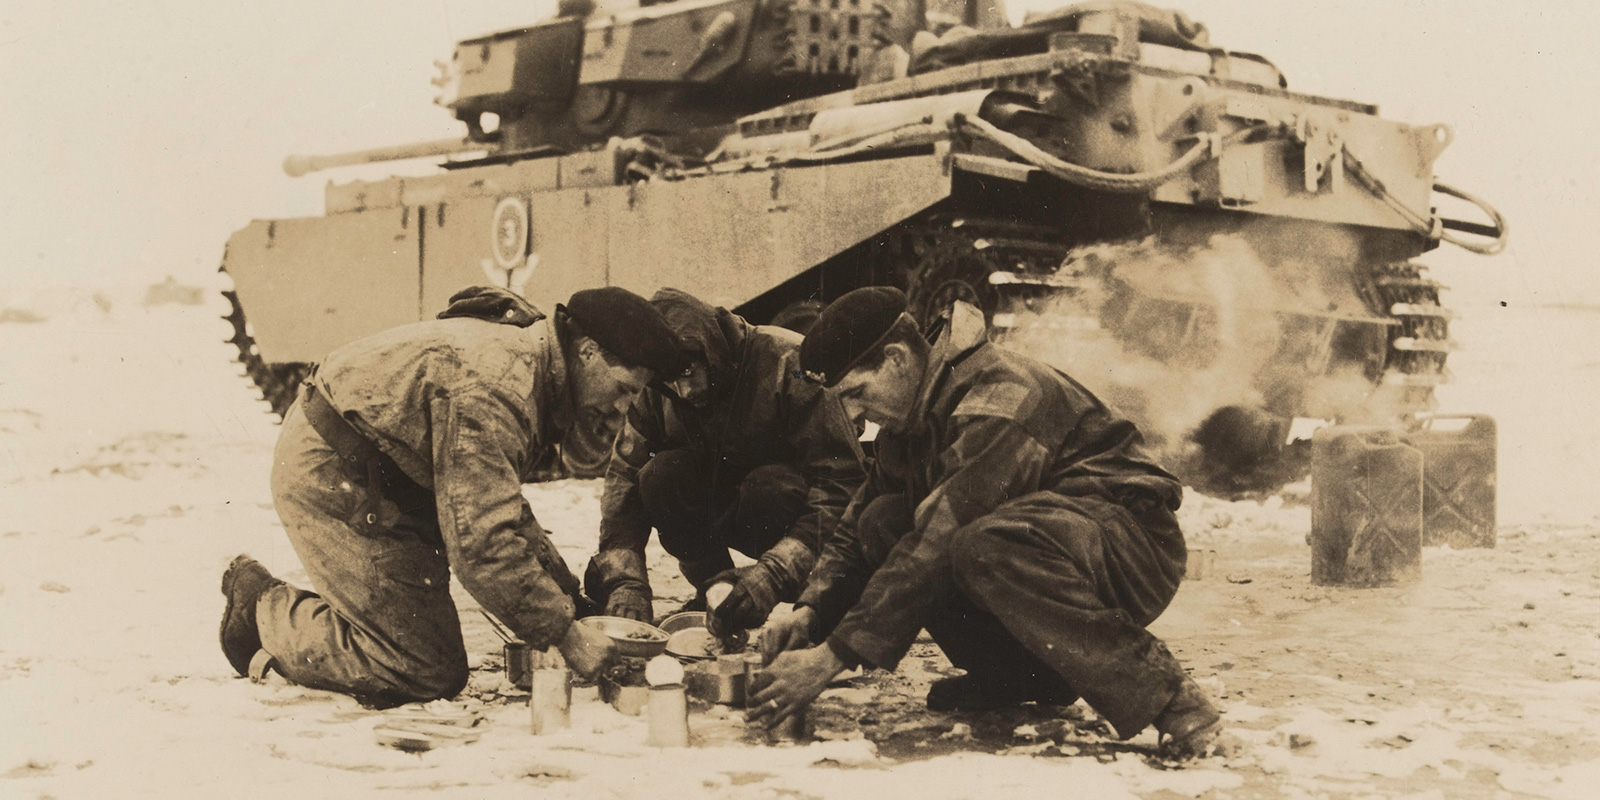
[[630, 602], [617, 578], [755, 592]]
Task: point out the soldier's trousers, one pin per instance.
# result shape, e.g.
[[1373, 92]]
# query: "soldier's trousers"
[[1052, 588], [381, 625], [699, 512]]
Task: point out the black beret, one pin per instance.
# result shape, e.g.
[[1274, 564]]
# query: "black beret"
[[848, 329], [628, 327]]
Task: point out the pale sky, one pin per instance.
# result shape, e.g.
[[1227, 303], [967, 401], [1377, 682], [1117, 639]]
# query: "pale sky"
[[138, 136]]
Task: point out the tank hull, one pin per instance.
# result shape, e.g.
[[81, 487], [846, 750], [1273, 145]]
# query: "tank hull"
[[1162, 222]]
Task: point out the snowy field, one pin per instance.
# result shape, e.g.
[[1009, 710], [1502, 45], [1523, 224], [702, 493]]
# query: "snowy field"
[[133, 466]]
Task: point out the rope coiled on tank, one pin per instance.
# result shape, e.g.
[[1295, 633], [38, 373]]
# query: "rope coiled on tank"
[[1208, 146]]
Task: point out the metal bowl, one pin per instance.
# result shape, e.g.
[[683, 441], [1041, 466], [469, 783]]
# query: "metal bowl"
[[633, 638], [693, 644], [684, 619]]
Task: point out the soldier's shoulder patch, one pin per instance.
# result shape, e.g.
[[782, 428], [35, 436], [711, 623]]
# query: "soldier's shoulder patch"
[[1002, 399]]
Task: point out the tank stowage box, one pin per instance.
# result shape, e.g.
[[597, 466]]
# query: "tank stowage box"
[[1366, 507], [1458, 479]]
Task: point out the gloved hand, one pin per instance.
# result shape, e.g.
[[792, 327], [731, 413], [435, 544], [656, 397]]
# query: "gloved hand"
[[618, 579], [755, 592], [630, 602], [587, 651]]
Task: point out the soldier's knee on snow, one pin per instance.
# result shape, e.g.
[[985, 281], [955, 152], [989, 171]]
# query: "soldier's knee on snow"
[[440, 681]]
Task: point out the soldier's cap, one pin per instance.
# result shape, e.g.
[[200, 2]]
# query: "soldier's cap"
[[856, 324], [628, 327]]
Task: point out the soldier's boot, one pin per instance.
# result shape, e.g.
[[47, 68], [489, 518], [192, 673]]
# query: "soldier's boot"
[[982, 693], [1190, 726], [243, 583]]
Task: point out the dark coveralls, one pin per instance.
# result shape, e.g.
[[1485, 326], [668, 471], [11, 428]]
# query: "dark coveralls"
[[462, 411], [1021, 523], [765, 468]]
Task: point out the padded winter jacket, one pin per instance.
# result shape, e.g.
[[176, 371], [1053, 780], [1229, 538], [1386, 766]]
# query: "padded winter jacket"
[[993, 425], [468, 409], [760, 411]]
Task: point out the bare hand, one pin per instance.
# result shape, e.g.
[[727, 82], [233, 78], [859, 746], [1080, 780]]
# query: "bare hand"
[[792, 682], [791, 631], [587, 651]]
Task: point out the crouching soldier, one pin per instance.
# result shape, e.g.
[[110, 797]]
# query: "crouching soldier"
[[1009, 513], [403, 459], [739, 451]]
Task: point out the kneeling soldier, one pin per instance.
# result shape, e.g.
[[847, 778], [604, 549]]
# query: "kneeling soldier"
[[405, 459], [1009, 513], [738, 452]]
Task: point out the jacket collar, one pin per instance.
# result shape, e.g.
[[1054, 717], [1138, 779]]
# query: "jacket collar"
[[555, 396], [955, 336]]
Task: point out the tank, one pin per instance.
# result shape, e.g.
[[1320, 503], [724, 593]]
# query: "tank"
[[1211, 252]]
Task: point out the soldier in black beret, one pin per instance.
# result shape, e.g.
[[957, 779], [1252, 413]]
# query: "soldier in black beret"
[[403, 460], [1009, 513], [740, 452]]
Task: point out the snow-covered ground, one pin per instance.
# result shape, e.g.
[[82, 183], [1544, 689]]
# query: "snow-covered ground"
[[133, 466]]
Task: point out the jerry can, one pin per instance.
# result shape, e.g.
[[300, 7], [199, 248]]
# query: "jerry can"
[[1458, 478], [1366, 506]]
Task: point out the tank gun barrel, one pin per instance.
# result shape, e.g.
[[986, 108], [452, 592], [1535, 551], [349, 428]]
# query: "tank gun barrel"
[[297, 165]]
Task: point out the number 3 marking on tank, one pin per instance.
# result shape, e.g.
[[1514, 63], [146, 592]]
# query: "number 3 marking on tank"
[[508, 242]]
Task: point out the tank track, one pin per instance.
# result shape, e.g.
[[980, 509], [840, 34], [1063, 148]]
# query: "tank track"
[[1420, 344], [279, 383], [952, 257]]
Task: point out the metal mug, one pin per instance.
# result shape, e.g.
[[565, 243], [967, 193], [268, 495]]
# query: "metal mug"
[[519, 664]]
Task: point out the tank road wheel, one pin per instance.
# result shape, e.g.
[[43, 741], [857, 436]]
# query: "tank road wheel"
[[949, 272], [279, 383]]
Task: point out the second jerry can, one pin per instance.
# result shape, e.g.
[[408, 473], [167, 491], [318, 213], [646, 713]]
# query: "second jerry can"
[[1458, 479]]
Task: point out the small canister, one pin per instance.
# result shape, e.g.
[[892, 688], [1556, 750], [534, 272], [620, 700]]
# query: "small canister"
[[668, 703], [550, 697], [669, 716], [1201, 564], [519, 672], [752, 668]]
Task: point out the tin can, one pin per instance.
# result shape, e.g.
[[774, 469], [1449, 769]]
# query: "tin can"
[[719, 681], [1366, 507], [519, 664], [1200, 565], [792, 728], [669, 716], [550, 700]]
